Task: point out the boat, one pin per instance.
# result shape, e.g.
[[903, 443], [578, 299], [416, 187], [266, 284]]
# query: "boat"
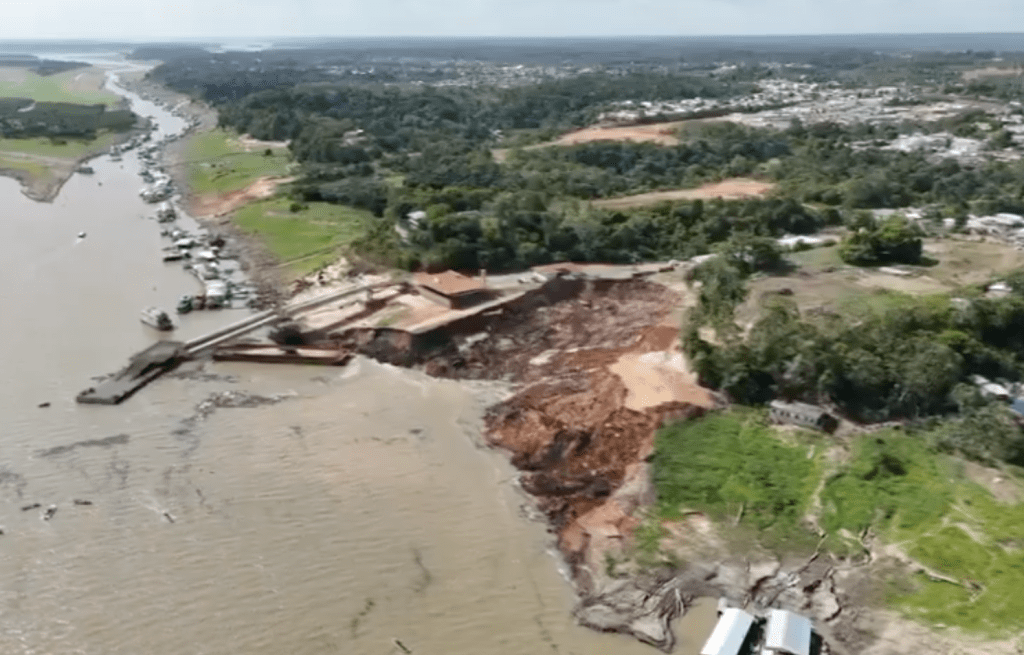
[[157, 318], [185, 304]]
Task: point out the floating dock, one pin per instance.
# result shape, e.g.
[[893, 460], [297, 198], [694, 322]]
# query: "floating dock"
[[142, 369]]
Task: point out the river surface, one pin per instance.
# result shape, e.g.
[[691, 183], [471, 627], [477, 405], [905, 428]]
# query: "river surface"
[[353, 509]]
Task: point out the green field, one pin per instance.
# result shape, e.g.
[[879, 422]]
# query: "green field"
[[81, 86], [731, 465], [68, 149], [922, 502], [304, 240], [218, 163], [38, 172]]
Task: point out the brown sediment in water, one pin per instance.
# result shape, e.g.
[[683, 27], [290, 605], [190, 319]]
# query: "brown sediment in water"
[[578, 430]]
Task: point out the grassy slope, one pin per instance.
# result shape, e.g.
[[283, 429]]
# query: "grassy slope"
[[893, 485], [921, 501], [81, 86], [218, 163], [308, 239], [732, 465]]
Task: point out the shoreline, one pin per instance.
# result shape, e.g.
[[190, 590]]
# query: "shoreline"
[[47, 190], [579, 430], [254, 258]]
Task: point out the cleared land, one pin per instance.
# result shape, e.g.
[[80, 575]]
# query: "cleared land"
[[665, 134], [992, 71], [220, 162], [823, 282], [730, 189], [303, 240], [80, 86]]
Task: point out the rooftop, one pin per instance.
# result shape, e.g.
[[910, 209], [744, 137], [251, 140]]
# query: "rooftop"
[[449, 283]]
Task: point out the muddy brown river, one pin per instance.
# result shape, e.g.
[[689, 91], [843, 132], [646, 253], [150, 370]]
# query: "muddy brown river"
[[351, 509]]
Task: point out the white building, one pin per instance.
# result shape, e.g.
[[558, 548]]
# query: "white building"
[[787, 634], [729, 634]]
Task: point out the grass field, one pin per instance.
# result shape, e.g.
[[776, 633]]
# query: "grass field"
[[821, 280], [218, 162], [69, 149], [923, 503], [40, 173], [738, 470], [307, 239], [80, 86], [732, 466]]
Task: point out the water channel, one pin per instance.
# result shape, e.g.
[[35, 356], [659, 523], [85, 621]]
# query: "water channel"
[[354, 511]]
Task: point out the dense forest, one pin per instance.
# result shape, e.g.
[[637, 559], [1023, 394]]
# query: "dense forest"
[[22, 118], [395, 149]]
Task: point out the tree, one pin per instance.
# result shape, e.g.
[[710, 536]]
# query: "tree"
[[894, 240]]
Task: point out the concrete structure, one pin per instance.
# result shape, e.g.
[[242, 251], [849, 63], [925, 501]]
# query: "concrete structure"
[[802, 414], [787, 634], [451, 289], [142, 369], [729, 634]]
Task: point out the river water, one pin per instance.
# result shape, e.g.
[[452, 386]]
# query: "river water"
[[355, 510]]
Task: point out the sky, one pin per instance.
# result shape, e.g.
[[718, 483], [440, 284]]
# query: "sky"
[[167, 19]]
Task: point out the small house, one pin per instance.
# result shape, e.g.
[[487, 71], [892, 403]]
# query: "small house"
[[729, 634], [802, 414], [453, 290], [787, 634]]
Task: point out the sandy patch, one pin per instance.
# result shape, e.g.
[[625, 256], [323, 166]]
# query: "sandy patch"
[[730, 189], [1002, 487], [13, 74], [660, 133], [656, 378], [249, 144], [991, 71], [912, 285], [220, 204]]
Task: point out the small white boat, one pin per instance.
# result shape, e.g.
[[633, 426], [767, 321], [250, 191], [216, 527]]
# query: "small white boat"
[[81, 235], [157, 318]]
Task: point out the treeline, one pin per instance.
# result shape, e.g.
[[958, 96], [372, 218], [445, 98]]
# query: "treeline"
[[22, 118], [521, 229]]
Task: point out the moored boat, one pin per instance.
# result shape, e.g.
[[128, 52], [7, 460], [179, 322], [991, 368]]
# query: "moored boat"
[[156, 318]]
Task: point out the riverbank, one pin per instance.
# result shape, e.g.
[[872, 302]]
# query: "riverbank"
[[260, 265], [589, 402], [43, 168], [42, 165]]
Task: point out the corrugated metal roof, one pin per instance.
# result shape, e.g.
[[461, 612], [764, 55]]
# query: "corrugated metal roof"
[[729, 633], [788, 633]]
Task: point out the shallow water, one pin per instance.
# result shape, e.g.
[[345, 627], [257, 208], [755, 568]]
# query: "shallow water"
[[354, 511]]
